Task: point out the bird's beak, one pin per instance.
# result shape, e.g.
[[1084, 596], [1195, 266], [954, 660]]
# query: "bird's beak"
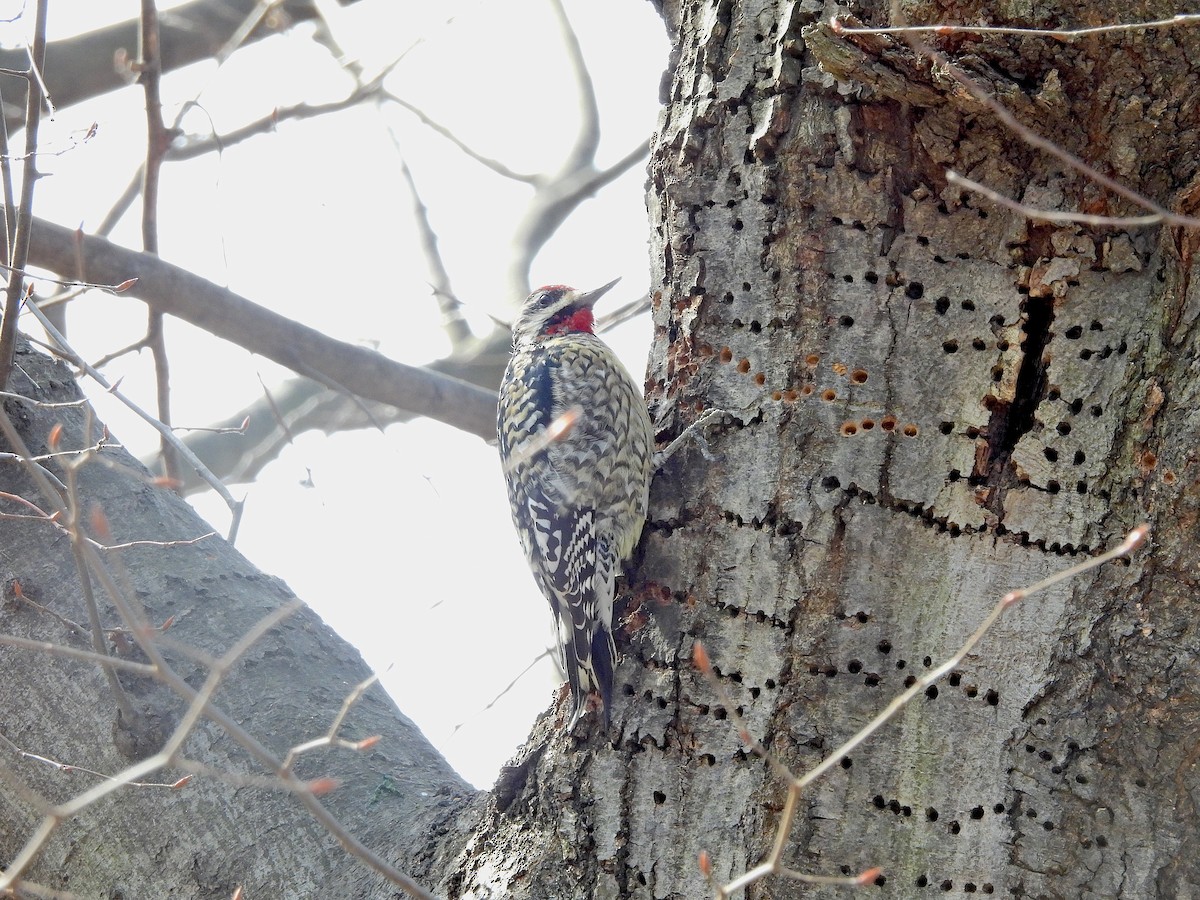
[[589, 298]]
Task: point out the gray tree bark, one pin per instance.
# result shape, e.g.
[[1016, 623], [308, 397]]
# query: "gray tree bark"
[[934, 400], [232, 824]]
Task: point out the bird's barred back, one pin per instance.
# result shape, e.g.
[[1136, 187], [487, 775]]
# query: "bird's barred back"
[[602, 461], [578, 498]]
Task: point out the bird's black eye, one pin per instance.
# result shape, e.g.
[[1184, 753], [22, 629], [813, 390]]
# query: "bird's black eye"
[[546, 296]]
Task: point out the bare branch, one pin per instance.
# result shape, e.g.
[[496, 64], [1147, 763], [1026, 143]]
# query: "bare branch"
[[81, 67], [18, 251], [452, 318], [584, 184], [495, 165], [165, 432], [189, 147], [221, 312], [587, 138], [1051, 215], [1066, 34], [554, 201], [157, 141]]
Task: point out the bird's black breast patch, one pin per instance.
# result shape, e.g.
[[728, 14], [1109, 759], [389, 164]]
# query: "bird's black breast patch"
[[541, 386]]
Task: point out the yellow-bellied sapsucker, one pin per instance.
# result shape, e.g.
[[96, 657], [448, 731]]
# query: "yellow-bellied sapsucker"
[[576, 443]]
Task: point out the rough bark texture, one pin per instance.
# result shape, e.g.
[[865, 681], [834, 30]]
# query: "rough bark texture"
[[202, 840], [935, 401]]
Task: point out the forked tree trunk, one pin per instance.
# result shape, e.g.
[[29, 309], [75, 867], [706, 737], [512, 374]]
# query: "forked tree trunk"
[[934, 401]]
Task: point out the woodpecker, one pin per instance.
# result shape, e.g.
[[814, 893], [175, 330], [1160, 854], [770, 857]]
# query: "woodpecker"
[[576, 443]]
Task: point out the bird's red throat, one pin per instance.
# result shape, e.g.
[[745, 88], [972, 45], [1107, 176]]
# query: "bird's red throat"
[[580, 320]]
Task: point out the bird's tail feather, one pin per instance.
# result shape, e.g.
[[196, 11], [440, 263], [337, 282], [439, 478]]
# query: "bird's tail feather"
[[590, 667]]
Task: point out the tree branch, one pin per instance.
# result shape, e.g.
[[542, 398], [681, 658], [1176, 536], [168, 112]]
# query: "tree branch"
[[157, 140], [174, 291], [495, 165], [452, 318], [18, 250], [587, 138], [554, 201], [82, 67]]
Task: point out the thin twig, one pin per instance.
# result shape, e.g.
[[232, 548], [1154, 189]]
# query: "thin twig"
[[108, 288], [10, 206], [495, 165], [74, 527], [245, 28], [17, 458], [228, 429], [112, 356], [508, 687], [1051, 215], [24, 219], [157, 141], [71, 767], [243, 779], [56, 454], [453, 323], [330, 738], [64, 349], [64, 811], [52, 483], [623, 314], [51, 649], [158, 545], [42, 404], [37, 60], [71, 625], [1066, 34]]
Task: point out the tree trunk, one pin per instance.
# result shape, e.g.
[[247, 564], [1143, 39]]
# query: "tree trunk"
[[233, 823], [934, 400]]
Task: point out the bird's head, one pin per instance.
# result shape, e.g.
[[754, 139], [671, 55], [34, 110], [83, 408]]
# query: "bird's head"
[[556, 309]]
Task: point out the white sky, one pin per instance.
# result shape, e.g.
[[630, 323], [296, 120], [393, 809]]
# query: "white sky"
[[404, 542]]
